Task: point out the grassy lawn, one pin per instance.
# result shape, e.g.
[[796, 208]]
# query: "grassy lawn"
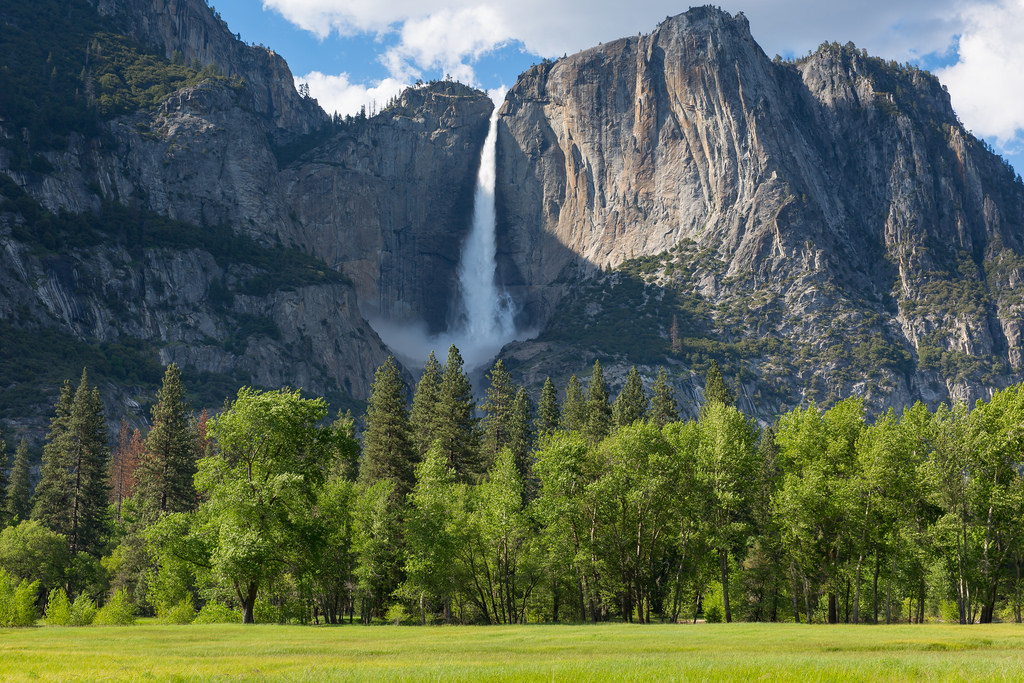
[[515, 653]]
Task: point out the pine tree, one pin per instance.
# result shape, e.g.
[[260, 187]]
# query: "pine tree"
[[124, 462], [169, 461], [423, 416], [715, 388], [574, 410], [3, 481], [387, 444], [497, 409], [456, 427], [72, 495], [631, 403], [599, 413], [19, 487], [51, 504], [548, 414], [520, 438], [91, 468], [663, 403]]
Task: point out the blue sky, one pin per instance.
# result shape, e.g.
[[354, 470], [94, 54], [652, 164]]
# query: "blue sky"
[[355, 52]]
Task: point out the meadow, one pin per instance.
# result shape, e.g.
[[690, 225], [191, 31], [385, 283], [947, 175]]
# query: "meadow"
[[514, 653]]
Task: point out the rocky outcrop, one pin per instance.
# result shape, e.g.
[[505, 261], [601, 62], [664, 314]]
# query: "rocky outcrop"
[[191, 30], [837, 197], [389, 200]]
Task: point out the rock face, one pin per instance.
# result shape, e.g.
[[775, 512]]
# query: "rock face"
[[389, 200], [320, 221], [192, 30], [822, 228], [828, 202]]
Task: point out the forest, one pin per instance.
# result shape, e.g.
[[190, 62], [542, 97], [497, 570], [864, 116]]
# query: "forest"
[[579, 508]]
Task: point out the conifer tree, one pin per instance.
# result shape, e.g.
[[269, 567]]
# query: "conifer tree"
[[497, 409], [456, 427], [548, 414], [19, 487], [72, 495], [520, 438], [387, 444], [574, 410], [91, 466], [3, 481], [631, 403], [169, 461], [422, 418], [51, 504], [663, 402], [599, 413], [715, 388]]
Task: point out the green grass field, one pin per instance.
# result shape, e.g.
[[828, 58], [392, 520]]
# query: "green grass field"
[[515, 653]]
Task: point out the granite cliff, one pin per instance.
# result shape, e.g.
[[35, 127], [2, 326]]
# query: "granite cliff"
[[826, 227], [820, 227]]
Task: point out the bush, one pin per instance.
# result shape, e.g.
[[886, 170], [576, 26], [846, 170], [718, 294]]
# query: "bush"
[[58, 608], [118, 611], [83, 611], [181, 613], [397, 614], [713, 604], [17, 600], [215, 612]]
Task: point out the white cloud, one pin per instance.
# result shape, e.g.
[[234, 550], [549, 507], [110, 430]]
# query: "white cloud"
[[986, 85], [449, 36], [338, 94], [444, 32]]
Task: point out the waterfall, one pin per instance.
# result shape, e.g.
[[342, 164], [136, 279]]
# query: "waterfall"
[[483, 319]]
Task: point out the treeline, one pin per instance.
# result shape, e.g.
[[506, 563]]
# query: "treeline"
[[579, 509]]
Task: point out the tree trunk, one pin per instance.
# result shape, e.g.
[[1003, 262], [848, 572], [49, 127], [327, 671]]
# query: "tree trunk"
[[874, 591], [247, 600], [833, 608], [724, 560]]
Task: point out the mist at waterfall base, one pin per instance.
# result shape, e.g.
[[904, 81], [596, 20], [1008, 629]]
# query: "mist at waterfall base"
[[484, 317]]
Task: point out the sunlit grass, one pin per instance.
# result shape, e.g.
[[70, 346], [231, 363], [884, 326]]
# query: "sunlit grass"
[[515, 653]]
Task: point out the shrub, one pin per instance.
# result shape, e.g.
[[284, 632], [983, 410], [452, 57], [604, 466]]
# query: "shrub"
[[713, 604], [181, 613], [118, 611], [396, 614], [58, 608], [17, 600], [215, 612], [83, 611]]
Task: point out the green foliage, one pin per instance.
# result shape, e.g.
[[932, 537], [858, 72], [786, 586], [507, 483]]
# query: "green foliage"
[[387, 443], [631, 403], [19, 486], [17, 601], [71, 498], [214, 612], [83, 611], [599, 412], [548, 412], [424, 415], [183, 612], [118, 611], [58, 608], [31, 551], [456, 426], [168, 462], [273, 455]]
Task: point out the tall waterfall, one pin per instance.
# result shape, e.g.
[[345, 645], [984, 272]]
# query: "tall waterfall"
[[484, 322], [483, 318]]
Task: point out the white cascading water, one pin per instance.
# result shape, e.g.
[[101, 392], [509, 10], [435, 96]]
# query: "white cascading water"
[[484, 319]]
